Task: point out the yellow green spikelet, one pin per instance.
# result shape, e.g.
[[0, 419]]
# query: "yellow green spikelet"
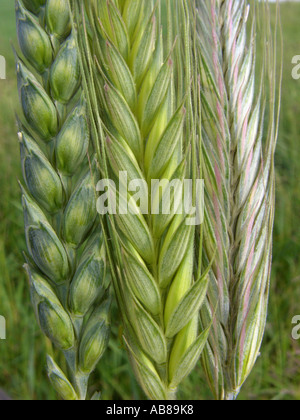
[[140, 105]]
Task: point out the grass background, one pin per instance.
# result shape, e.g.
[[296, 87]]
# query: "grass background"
[[22, 356]]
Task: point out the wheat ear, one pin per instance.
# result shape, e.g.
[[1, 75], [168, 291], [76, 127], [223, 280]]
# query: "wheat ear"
[[65, 262], [238, 168], [139, 92]]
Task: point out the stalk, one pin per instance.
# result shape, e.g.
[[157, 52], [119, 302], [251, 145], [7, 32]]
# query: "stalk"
[[140, 106], [65, 262], [239, 140]]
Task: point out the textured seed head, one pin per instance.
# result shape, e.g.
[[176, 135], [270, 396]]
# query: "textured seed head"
[[124, 120], [58, 18], [161, 221], [238, 164], [40, 287], [181, 284], [144, 369], [150, 78], [186, 304], [148, 332], [56, 325], [183, 341], [81, 212], [59, 381], [159, 151], [38, 108], [58, 199], [65, 72], [174, 249], [34, 5], [54, 320], [150, 103], [132, 15], [134, 227], [72, 142], [88, 283], [120, 74], [112, 25], [142, 51], [94, 246], [146, 133], [120, 156], [95, 337], [41, 179], [32, 212], [186, 351], [47, 252], [33, 40], [141, 281]]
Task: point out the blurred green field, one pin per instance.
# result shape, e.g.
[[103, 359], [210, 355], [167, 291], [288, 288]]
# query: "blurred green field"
[[22, 356]]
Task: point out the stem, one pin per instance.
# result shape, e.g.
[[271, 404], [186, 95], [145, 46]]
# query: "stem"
[[172, 394], [79, 379], [81, 383], [231, 393], [231, 396]]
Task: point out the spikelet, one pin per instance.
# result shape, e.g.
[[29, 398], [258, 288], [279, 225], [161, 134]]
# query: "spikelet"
[[66, 256], [140, 107], [238, 170]]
